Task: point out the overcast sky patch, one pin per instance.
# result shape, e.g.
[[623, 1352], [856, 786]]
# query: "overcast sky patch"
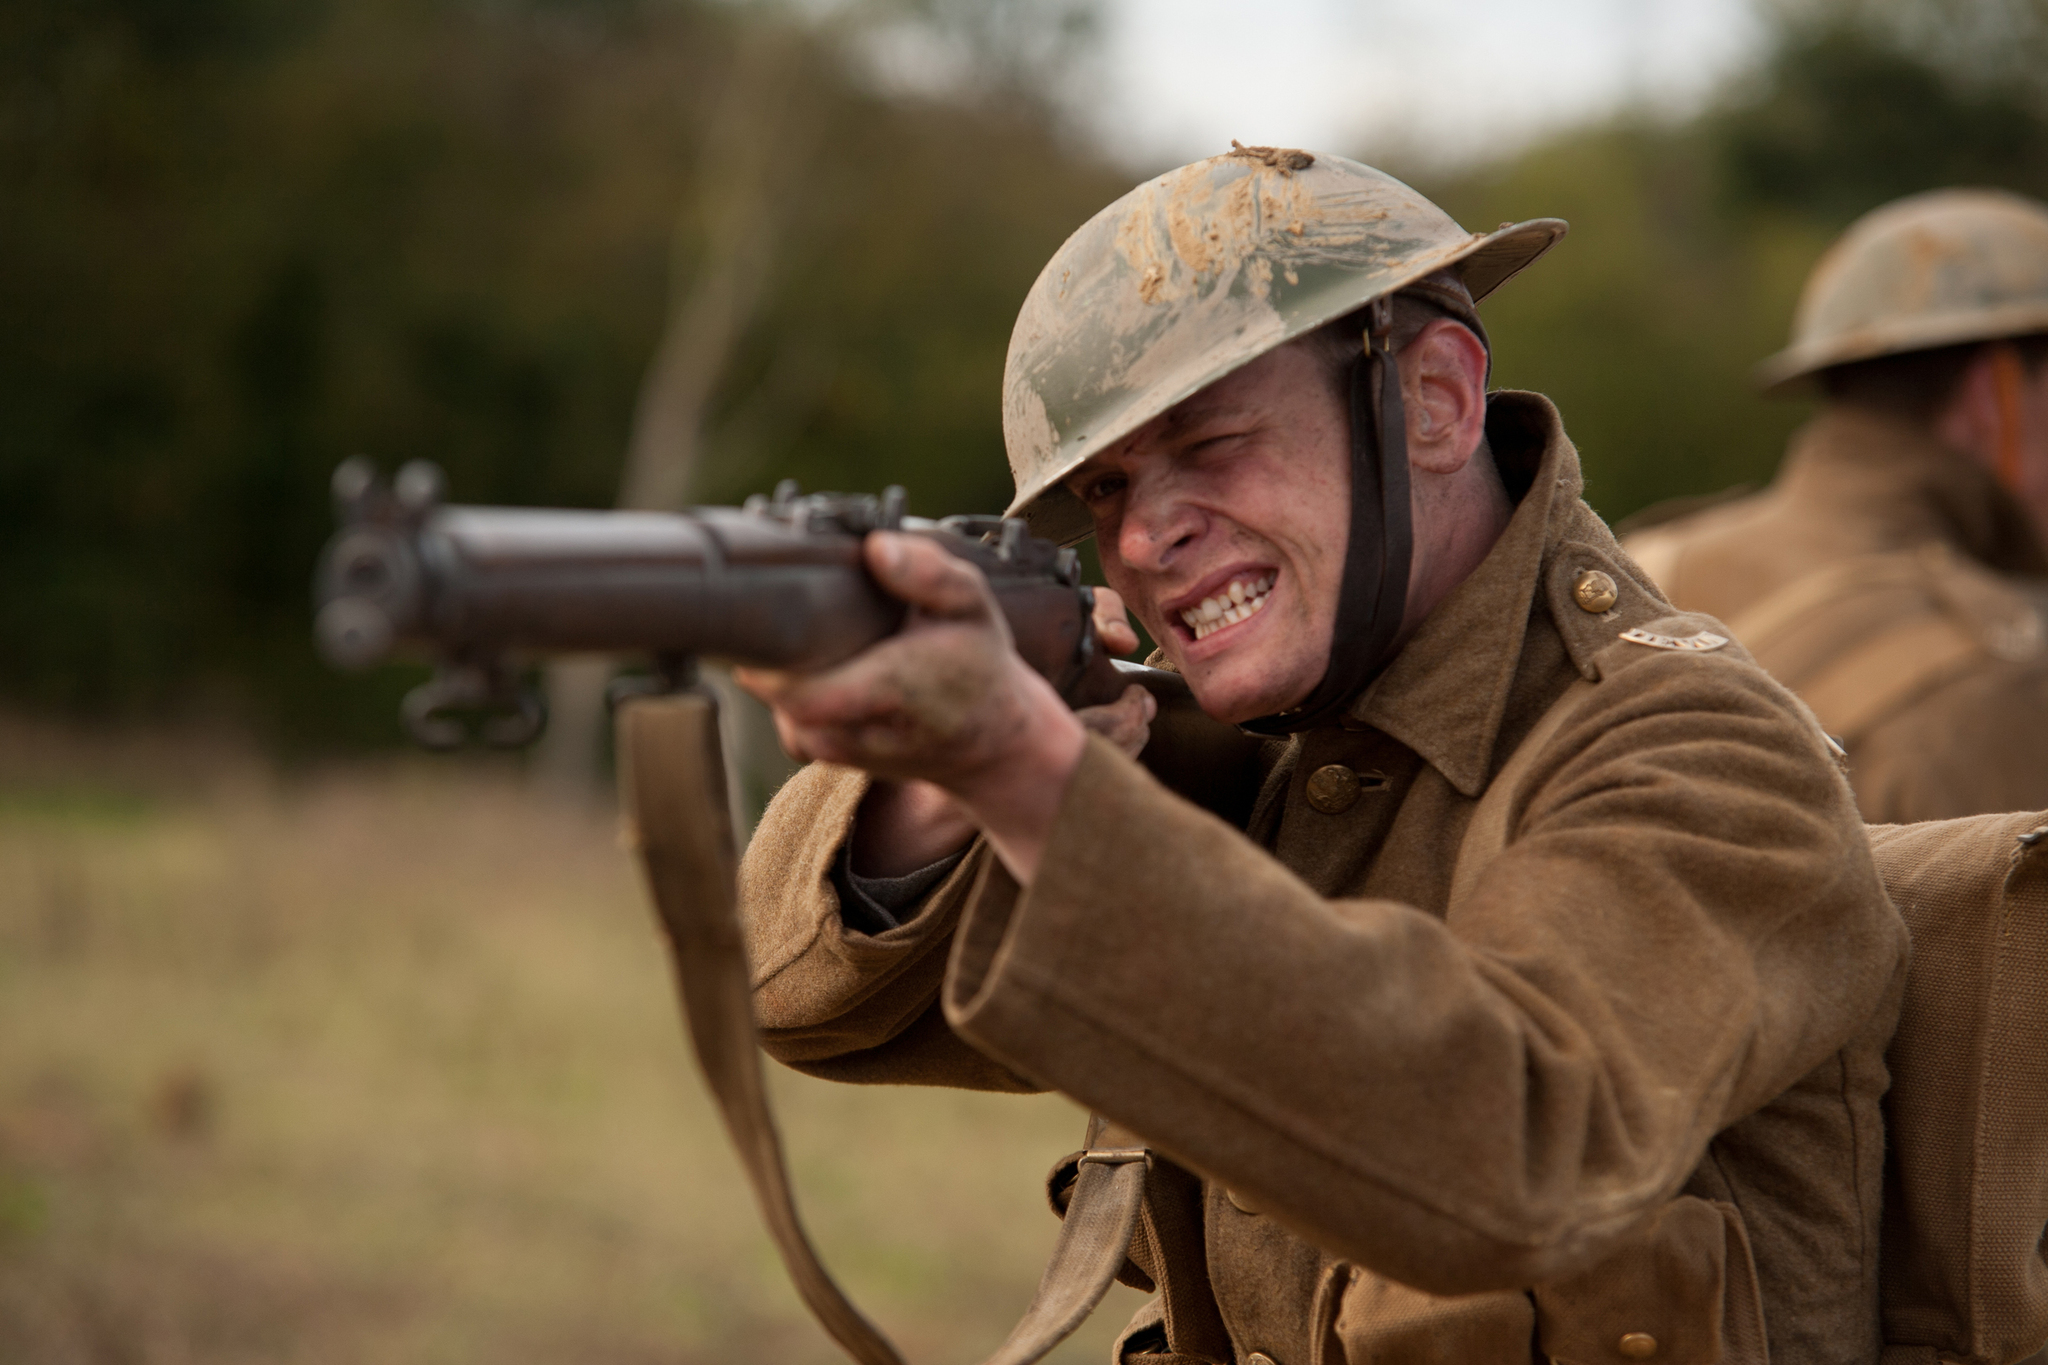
[[1448, 79]]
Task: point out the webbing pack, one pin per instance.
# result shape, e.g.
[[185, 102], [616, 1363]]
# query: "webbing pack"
[[1966, 1197]]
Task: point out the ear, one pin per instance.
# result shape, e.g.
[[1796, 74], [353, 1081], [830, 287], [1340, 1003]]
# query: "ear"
[[1969, 419], [1443, 386]]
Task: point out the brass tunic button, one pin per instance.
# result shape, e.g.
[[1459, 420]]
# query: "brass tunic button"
[[1333, 789], [1260, 1358], [1239, 1202], [1637, 1345], [1595, 592]]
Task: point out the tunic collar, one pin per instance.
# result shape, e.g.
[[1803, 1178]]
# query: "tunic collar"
[[1446, 694]]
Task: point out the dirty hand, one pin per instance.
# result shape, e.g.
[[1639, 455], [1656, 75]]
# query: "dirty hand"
[[1125, 722], [946, 700]]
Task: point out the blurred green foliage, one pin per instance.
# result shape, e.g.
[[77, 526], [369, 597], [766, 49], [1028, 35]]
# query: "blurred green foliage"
[[242, 239]]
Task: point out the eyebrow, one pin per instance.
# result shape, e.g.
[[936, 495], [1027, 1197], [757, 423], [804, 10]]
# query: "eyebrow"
[[1185, 416], [1178, 418]]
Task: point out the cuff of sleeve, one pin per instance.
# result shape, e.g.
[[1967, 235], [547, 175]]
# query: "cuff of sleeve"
[[820, 987], [875, 905]]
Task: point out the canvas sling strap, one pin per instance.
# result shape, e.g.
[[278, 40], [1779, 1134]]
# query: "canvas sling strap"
[[1860, 638], [673, 793]]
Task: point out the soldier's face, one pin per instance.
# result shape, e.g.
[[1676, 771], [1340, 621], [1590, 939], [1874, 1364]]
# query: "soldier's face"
[[1223, 523]]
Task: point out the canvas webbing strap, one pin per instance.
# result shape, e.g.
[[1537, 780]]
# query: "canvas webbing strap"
[[1819, 588], [1874, 679], [1871, 678], [672, 790]]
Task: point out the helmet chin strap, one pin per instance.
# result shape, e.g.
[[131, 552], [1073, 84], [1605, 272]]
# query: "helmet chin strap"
[[1374, 595]]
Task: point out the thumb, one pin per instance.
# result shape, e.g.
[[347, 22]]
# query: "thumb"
[[926, 576], [1113, 622]]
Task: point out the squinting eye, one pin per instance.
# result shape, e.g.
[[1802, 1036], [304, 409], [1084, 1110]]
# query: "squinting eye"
[[1095, 490]]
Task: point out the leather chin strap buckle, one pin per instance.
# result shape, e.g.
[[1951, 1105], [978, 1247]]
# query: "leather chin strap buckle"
[[1114, 1156]]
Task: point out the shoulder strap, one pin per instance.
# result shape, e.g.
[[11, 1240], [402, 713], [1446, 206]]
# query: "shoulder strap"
[[1822, 587], [1487, 834], [672, 786]]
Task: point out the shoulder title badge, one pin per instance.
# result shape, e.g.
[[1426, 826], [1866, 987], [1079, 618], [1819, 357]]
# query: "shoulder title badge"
[[1697, 643]]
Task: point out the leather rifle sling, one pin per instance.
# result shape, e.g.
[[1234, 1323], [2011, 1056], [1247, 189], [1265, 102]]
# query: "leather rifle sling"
[[673, 792]]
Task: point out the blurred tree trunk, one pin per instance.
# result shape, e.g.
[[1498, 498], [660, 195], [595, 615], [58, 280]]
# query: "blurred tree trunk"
[[753, 153]]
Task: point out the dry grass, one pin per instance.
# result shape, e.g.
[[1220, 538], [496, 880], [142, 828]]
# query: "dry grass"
[[382, 1065]]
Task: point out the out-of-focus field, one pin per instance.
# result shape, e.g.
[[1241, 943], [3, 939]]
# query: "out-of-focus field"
[[381, 1065]]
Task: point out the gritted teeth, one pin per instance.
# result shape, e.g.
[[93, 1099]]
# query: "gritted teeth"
[[1234, 603]]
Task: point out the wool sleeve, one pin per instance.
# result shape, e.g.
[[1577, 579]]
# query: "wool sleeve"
[[830, 999], [1685, 921]]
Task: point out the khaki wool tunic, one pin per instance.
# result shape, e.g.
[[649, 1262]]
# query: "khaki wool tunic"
[[1965, 732], [1624, 1096]]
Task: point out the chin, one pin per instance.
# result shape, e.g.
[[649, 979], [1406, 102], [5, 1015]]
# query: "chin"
[[1235, 700]]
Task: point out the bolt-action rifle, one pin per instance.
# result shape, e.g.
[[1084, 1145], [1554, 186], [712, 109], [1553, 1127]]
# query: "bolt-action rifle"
[[778, 583]]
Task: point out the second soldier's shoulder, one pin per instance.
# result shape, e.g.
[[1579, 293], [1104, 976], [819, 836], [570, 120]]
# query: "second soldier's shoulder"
[[1688, 513]]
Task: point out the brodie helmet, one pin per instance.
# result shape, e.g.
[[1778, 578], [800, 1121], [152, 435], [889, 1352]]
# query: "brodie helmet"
[[1196, 273]]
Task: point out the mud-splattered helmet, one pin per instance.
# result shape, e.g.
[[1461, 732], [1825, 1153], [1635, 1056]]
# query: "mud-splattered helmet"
[[1209, 267], [1195, 273]]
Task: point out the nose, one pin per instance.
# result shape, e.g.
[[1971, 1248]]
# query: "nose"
[[1157, 523]]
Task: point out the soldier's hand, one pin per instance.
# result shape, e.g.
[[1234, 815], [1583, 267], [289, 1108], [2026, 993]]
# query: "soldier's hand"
[[945, 700], [961, 730], [1125, 722], [941, 696], [1113, 623]]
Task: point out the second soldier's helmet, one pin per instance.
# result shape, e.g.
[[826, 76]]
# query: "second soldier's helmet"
[[1197, 272], [1936, 269]]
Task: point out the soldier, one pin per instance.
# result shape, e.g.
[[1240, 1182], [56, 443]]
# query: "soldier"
[[1509, 977], [1887, 574]]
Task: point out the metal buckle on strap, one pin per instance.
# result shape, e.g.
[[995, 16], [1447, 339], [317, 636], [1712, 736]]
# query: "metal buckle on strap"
[[1115, 1156]]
